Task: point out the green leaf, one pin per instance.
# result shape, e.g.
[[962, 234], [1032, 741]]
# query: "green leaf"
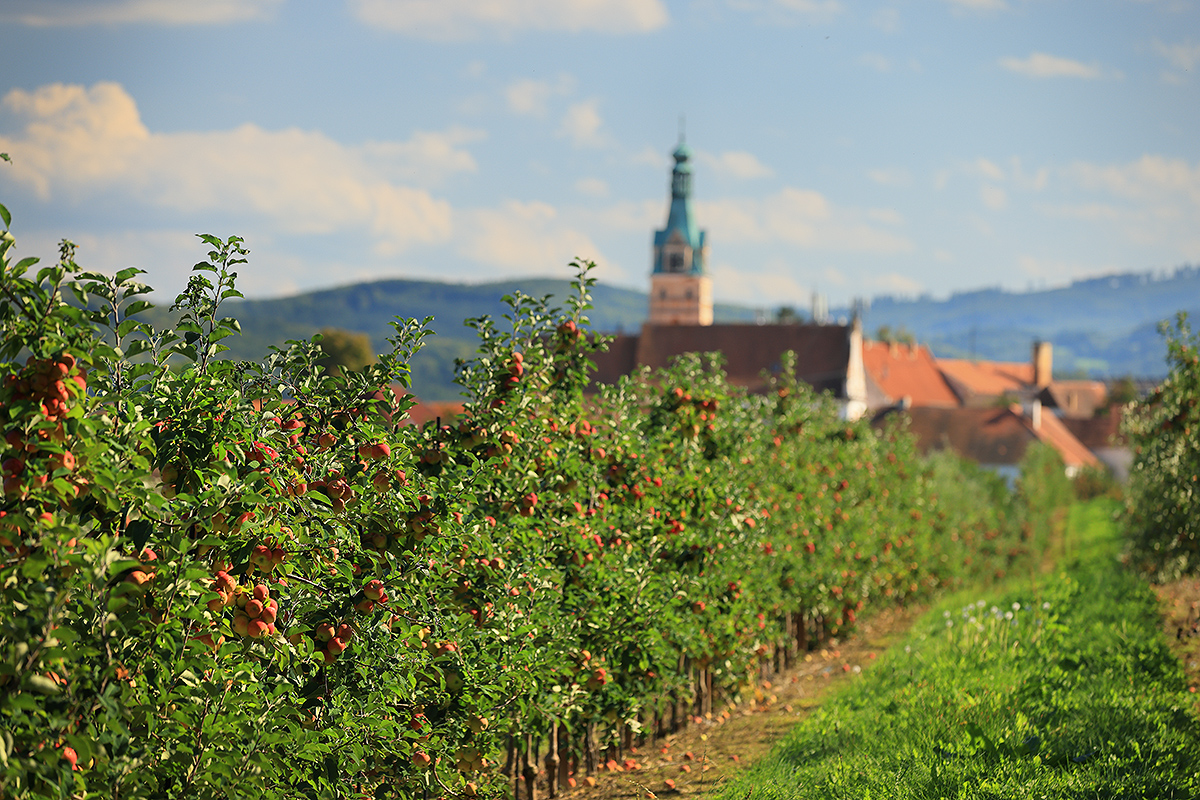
[[136, 347], [126, 274], [138, 306], [4, 215], [25, 263]]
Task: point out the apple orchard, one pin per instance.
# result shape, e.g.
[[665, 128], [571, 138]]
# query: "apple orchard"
[[225, 579]]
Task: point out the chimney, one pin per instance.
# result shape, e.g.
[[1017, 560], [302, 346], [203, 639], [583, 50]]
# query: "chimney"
[[1035, 414], [1043, 363]]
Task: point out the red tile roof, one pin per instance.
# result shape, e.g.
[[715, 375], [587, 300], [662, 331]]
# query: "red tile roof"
[[993, 435], [1053, 432], [985, 378], [904, 370], [424, 412], [822, 351]]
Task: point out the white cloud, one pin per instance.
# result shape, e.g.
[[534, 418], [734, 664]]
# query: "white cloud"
[[651, 156], [1153, 201], [749, 286], [993, 197], [886, 20], [78, 144], [989, 169], [800, 218], [467, 19], [625, 217], [527, 238], [876, 62], [896, 284], [47, 13], [736, 164], [1181, 56], [1042, 65], [979, 5], [1036, 181], [581, 124], [890, 176], [1088, 212], [1151, 178], [528, 97], [785, 10], [888, 216], [592, 187], [821, 8]]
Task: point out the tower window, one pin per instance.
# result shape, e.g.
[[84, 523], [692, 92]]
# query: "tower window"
[[689, 294], [675, 262], [662, 294]]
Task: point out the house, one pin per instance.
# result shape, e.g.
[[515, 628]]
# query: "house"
[[680, 320], [987, 411], [982, 383]]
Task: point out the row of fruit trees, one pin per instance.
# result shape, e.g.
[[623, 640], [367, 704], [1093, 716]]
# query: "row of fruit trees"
[[227, 578]]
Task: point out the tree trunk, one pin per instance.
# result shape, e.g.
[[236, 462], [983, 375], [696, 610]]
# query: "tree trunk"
[[552, 762], [567, 763]]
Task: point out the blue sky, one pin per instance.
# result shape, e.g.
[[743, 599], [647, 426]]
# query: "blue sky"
[[855, 148]]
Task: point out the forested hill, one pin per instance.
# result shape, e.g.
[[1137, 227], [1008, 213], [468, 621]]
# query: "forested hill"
[[370, 307], [1100, 327]]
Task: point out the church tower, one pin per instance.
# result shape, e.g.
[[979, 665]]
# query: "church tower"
[[680, 288]]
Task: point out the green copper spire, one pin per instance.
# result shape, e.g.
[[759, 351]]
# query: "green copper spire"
[[679, 247]]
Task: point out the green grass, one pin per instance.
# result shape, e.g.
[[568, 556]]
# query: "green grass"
[[1056, 687]]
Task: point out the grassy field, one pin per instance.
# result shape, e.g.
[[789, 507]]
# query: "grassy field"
[[1057, 686]]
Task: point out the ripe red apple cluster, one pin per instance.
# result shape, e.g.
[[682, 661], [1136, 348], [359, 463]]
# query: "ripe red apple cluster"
[[267, 556], [509, 374], [256, 611], [328, 641], [50, 382], [34, 458], [336, 488]]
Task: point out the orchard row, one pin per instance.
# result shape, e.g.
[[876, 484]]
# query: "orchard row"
[[256, 575]]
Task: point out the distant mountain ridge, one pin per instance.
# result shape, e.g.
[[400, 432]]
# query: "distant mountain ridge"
[[1102, 327]]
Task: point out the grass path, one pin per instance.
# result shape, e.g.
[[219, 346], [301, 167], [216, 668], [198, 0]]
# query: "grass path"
[[1059, 687], [701, 758]]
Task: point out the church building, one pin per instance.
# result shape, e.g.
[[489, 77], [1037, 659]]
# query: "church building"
[[680, 320]]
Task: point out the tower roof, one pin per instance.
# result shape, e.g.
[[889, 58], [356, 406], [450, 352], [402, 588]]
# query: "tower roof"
[[681, 224]]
